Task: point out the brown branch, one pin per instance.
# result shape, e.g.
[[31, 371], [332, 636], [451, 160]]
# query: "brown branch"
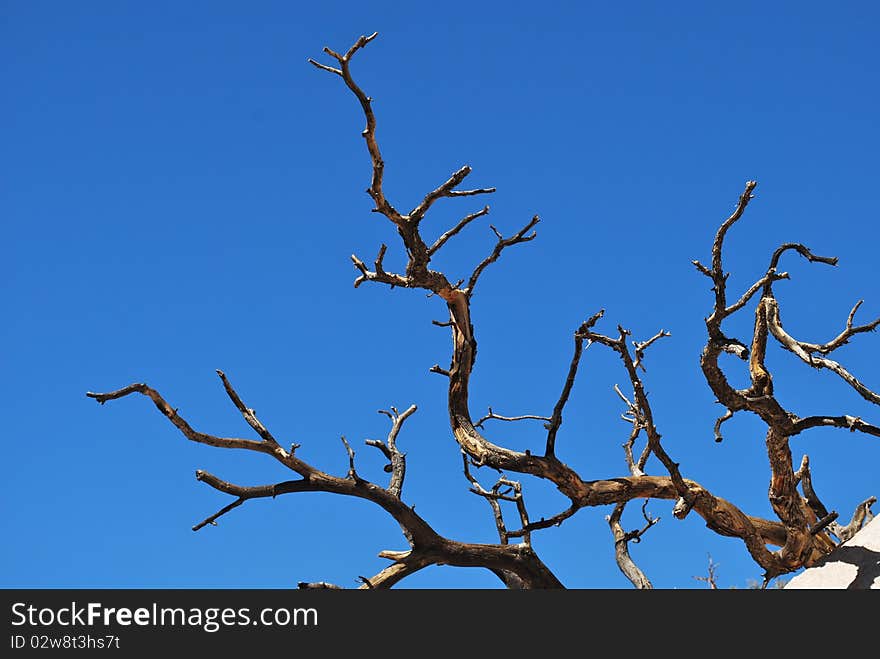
[[212, 520], [843, 337], [172, 415], [621, 550], [717, 342], [768, 278], [798, 348], [556, 417], [467, 219], [522, 417], [803, 250], [634, 468], [545, 523], [820, 513], [248, 414], [721, 419], [721, 516], [491, 497], [379, 275], [717, 272], [820, 526], [396, 460], [428, 547], [852, 423], [643, 407], [375, 190], [446, 190], [352, 474], [396, 572], [519, 237], [640, 347]]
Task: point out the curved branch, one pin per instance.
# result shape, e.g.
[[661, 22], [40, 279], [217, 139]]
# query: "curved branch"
[[375, 190], [801, 350], [519, 237], [187, 430], [851, 423]]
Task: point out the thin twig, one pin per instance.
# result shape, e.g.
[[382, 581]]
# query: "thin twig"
[[522, 417], [454, 230], [519, 237]]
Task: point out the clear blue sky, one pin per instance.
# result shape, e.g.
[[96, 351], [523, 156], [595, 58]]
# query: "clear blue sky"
[[181, 192]]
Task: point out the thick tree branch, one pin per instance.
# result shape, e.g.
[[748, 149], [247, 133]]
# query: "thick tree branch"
[[621, 547]]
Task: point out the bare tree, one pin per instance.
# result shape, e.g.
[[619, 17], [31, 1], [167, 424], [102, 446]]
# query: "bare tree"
[[803, 532]]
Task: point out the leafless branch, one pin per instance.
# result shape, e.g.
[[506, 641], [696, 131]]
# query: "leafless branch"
[[446, 190], [711, 578], [768, 278], [212, 520], [519, 237], [799, 349], [492, 499], [721, 419], [843, 533], [640, 347], [248, 414], [396, 460], [352, 474], [851, 423], [545, 523], [645, 414], [522, 417], [172, 415], [379, 275], [634, 468], [621, 550], [556, 417], [844, 336], [823, 523], [803, 250], [375, 190], [717, 272], [467, 219]]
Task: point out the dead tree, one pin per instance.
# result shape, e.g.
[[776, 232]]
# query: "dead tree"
[[803, 531]]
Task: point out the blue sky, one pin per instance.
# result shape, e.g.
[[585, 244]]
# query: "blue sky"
[[182, 191]]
